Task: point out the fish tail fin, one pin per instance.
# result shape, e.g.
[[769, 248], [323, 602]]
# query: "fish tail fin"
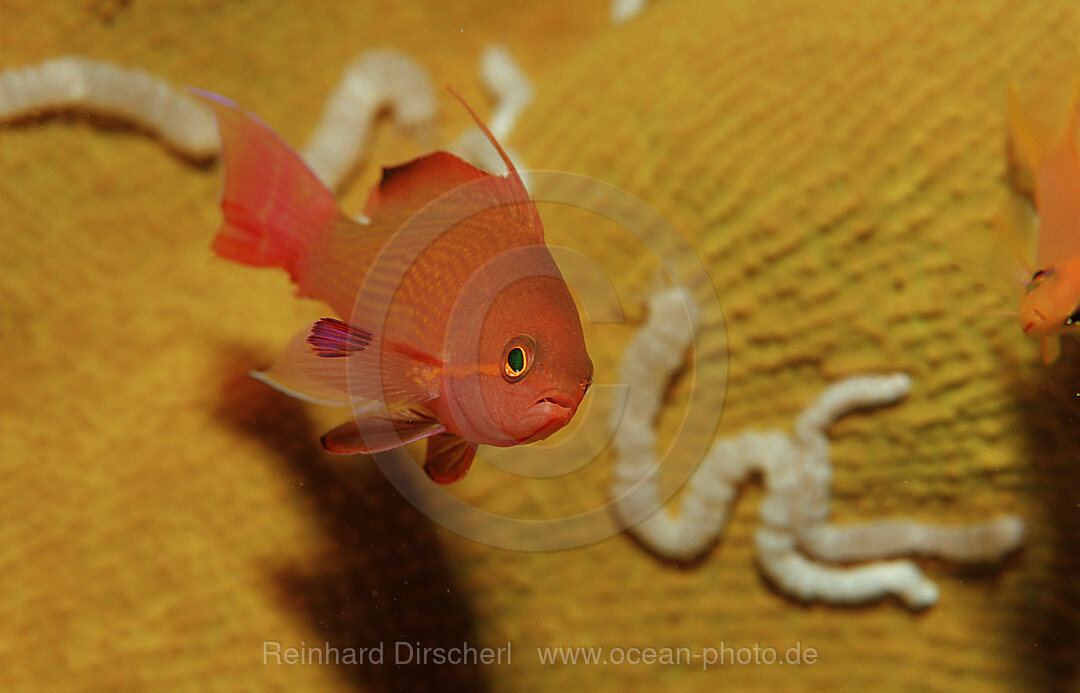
[[274, 205]]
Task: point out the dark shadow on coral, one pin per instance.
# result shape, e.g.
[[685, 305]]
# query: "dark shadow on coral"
[[383, 577], [1048, 634]]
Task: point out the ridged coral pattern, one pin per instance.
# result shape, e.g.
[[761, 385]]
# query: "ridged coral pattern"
[[840, 170]]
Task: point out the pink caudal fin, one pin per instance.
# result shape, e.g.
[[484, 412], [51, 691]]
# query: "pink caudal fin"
[[274, 205]]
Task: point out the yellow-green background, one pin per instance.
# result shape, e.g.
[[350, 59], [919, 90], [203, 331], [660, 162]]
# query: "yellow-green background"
[[838, 166]]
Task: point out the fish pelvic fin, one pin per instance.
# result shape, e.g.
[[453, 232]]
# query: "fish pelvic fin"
[[449, 456], [380, 433]]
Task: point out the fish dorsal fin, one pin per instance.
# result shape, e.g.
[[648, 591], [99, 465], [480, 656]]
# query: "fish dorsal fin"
[[407, 188], [449, 456], [1057, 191], [1044, 115], [511, 169]]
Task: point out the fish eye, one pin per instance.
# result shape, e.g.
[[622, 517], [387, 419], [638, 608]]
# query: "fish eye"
[[518, 358], [1074, 318]]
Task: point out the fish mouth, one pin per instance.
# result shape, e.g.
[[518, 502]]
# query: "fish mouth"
[[558, 400], [547, 414]]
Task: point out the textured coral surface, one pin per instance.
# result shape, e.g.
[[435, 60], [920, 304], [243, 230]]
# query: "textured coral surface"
[[838, 167]]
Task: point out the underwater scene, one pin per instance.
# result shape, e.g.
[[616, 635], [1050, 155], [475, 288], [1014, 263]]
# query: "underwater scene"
[[668, 345]]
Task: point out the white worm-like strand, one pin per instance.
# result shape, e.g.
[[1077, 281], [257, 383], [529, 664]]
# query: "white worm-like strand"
[[372, 82], [794, 538], [506, 82], [623, 11], [74, 82], [807, 580], [847, 395], [512, 92], [983, 541]]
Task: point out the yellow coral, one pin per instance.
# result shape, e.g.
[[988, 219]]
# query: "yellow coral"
[[163, 515]]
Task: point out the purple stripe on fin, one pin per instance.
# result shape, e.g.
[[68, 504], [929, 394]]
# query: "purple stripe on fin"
[[332, 338]]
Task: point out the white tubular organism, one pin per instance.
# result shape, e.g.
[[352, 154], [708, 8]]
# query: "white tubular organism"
[[372, 82], [74, 82], [794, 538], [623, 11], [512, 92], [506, 82]]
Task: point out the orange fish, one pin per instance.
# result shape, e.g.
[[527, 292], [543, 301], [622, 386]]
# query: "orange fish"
[[454, 323], [1046, 147]]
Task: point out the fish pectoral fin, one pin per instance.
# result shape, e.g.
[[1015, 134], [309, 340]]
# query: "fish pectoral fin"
[[449, 456], [366, 368], [299, 373], [330, 338], [380, 433]]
